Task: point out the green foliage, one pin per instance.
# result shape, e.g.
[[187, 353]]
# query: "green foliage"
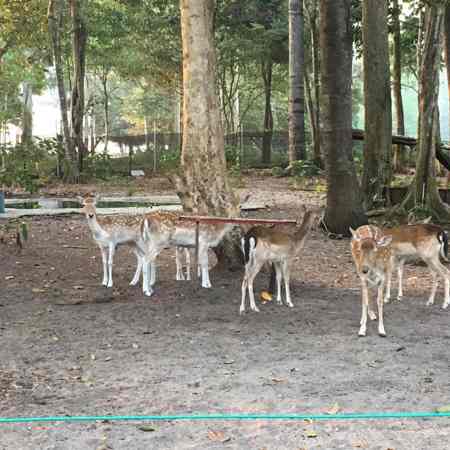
[[98, 166], [28, 165], [169, 160], [277, 171], [304, 169]]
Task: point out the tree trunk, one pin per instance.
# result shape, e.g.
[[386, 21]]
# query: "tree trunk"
[[54, 15], [296, 86], [27, 113], [399, 152], [447, 47], [266, 69], [344, 203], [104, 81], [79, 40], [377, 102], [314, 126], [313, 23], [202, 183], [424, 190]]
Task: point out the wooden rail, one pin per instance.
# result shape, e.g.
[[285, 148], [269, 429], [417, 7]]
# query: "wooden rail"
[[441, 156]]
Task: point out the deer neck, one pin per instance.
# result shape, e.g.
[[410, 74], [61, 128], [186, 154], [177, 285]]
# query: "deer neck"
[[300, 235], [94, 226]]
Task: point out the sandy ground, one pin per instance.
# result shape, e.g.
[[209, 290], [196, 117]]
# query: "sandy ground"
[[71, 347]]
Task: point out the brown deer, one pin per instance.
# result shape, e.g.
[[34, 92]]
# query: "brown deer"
[[425, 241], [372, 254], [262, 244], [164, 229], [111, 231]]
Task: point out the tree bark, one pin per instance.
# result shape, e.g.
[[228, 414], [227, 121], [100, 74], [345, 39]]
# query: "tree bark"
[[266, 69], [447, 46], [296, 82], [104, 81], [202, 183], [424, 192], [27, 113], [344, 203], [377, 172], [79, 40], [399, 151], [54, 15]]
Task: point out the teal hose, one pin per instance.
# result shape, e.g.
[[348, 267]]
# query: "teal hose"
[[235, 417]]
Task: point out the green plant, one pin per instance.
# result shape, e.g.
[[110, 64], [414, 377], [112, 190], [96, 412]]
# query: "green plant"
[[277, 171], [304, 169]]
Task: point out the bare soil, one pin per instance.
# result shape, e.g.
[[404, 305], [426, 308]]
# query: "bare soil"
[[68, 346]]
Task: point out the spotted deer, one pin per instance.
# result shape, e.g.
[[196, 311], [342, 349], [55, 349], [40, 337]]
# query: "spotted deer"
[[165, 229], [427, 242], [372, 253], [111, 231], [267, 245]]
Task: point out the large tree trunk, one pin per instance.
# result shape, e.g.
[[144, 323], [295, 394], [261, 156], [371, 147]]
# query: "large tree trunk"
[[266, 69], [399, 152], [54, 16], [104, 81], [27, 113], [447, 46], [79, 68], [344, 203], [316, 138], [296, 86], [202, 184], [424, 190], [377, 102]]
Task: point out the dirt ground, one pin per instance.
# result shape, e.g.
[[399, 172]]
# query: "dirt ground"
[[68, 346]]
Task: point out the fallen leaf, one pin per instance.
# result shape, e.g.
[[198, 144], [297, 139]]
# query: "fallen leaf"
[[265, 296], [146, 428], [37, 290], [278, 380], [78, 287], [311, 434], [231, 361], [9, 277], [443, 409], [218, 436], [93, 357], [334, 409]]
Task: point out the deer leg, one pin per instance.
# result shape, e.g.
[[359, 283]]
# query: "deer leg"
[[252, 272], [137, 274], [111, 249], [187, 254], [105, 265], [380, 302], [387, 297], [438, 267], [365, 306], [204, 264], [244, 290], [279, 276], [286, 275], [179, 275], [400, 279], [433, 288]]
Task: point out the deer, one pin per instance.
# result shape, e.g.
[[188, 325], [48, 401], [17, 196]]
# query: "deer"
[[165, 229], [263, 245], [111, 231], [372, 253], [427, 242]]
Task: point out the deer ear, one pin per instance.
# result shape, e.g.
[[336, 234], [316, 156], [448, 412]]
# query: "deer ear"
[[354, 234], [384, 241]]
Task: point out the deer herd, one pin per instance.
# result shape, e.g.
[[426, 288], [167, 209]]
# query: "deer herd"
[[376, 252]]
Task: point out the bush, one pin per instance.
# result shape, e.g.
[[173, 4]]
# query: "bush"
[[28, 165], [277, 172], [98, 166], [304, 169]]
